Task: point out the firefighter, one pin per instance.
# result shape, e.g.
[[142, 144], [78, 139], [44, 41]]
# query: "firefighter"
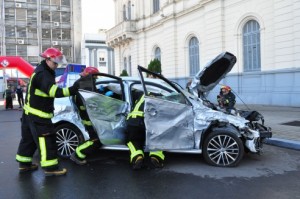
[[136, 136], [89, 146], [226, 99], [37, 127]]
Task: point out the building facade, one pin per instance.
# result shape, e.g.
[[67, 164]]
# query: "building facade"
[[95, 52], [28, 27], [186, 34]]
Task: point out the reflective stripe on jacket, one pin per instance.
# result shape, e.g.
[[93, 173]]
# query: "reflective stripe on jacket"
[[41, 92], [138, 110]]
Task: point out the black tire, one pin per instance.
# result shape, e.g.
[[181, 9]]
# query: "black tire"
[[68, 137], [223, 149]]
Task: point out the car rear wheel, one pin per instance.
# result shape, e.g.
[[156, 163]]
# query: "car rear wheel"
[[223, 149], [68, 137]]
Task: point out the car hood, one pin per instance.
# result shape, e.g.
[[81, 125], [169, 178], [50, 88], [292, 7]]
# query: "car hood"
[[213, 72]]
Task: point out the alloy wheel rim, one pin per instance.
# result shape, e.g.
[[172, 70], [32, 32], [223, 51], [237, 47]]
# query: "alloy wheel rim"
[[67, 141], [223, 150]]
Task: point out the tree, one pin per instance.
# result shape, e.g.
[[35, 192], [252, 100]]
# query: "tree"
[[155, 66], [124, 73]]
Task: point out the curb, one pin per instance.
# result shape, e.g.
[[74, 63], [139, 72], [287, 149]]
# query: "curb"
[[290, 144]]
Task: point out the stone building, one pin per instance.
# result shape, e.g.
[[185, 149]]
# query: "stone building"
[[186, 34]]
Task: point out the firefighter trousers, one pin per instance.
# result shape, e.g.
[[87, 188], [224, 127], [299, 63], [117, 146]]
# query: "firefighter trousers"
[[41, 136], [90, 145]]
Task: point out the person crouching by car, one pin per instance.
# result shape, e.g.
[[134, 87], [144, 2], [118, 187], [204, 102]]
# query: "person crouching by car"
[[136, 136], [89, 146], [226, 99]]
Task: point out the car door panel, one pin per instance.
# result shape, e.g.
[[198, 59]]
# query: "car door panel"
[[107, 115], [169, 125]]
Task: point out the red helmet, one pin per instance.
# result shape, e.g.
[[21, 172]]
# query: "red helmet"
[[54, 55], [226, 88], [89, 70]]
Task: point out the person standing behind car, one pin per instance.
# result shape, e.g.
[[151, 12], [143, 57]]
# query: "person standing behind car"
[[19, 92], [137, 135], [89, 146], [8, 93], [226, 99], [37, 127]]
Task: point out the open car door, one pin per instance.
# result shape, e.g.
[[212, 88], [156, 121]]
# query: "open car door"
[[168, 115], [106, 107]]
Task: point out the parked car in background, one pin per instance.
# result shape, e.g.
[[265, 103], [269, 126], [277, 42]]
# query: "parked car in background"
[[176, 120]]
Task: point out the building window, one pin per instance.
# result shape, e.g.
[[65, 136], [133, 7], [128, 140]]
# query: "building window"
[[55, 2], [21, 32], [46, 33], [9, 13], [56, 34], [20, 14], [22, 50], [66, 34], [65, 2], [155, 6], [56, 16], [194, 56], [32, 33], [10, 31], [101, 57], [11, 49], [45, 15], [129, 10], [65, 17], [124, 13], [31, 15], [45, 2], [157, 54], [251, 46]]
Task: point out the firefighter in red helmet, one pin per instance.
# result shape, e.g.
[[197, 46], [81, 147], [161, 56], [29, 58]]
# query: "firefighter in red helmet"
[[87, 82], [37, 128], [226, 99]]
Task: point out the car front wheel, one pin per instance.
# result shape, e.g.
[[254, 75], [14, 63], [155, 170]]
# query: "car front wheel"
[[223, 149], [68, 137]]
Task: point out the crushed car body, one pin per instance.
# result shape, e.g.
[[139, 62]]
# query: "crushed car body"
[[175, 119]]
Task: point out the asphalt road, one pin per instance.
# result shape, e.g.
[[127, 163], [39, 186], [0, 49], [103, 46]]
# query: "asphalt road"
[[274, 174]]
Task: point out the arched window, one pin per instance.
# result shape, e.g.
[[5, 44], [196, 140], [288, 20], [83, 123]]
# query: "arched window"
[[194, 56], [251, 46], [155, 6], [129, 10], [157, 54]]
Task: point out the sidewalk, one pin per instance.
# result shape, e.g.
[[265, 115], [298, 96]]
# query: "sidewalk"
[[284, 122]]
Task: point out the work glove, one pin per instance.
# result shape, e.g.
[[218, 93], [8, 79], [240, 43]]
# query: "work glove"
[[73, 89]]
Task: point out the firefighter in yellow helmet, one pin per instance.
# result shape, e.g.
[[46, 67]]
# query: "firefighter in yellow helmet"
[[37, 128], [89, 146], [136, 136]]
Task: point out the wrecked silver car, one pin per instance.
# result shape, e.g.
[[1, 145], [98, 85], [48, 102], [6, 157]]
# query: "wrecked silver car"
[[176, 120]]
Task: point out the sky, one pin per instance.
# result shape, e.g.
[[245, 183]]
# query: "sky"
[[97, 14]]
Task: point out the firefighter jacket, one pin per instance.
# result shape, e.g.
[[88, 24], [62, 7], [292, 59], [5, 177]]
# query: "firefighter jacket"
[[226, 101], [41, 91], [136, 116]]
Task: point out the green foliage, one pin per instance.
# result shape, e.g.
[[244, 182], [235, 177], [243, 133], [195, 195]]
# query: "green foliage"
[[124, 73], [155, 66]]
